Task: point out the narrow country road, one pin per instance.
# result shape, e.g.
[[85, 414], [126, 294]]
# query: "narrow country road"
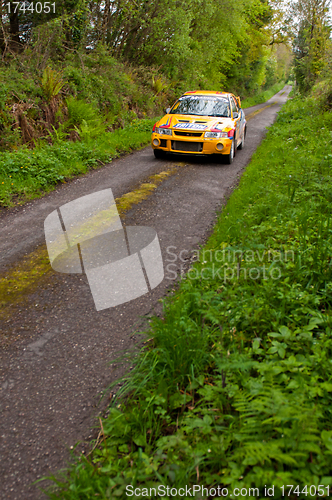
[[56, 348]]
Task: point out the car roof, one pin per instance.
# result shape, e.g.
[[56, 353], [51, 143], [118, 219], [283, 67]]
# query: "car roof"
[[207, 92]]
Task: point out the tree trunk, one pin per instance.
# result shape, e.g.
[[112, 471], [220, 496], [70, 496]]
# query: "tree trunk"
[[106, 19], [14, 30]]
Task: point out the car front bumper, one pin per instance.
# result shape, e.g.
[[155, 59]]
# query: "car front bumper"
[[190, 145]]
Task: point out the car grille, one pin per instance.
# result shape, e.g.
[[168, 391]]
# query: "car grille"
[[196, 147], [188, 134]]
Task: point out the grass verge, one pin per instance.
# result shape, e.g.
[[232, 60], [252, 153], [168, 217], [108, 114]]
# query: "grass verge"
[[262, 96], [27, 174], [235, 387]]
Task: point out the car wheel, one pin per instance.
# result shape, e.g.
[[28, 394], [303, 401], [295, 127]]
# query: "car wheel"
[[243, 139], [230, 157], [158, 153]]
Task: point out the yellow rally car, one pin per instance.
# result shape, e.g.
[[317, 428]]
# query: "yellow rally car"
[[201, 122]]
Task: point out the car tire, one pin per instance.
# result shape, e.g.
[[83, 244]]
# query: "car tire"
[[241, 146], [230, 157], [158, 153]]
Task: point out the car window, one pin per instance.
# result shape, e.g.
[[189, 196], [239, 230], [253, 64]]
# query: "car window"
[[235, 108], [202, 106]]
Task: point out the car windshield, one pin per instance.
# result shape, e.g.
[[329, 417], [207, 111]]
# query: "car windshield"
[[201, 105]]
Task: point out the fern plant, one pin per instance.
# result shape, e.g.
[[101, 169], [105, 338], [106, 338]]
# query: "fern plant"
[[158, 85], [52, 83]]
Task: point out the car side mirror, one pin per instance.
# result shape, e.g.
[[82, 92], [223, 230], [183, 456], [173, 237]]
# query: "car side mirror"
[[167, 110], [235, 114]]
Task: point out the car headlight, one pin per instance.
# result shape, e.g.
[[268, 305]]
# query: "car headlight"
[[215, 135], [163, 131]]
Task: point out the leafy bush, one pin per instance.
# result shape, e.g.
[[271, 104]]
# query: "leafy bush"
[[321, 94], [79, 111]]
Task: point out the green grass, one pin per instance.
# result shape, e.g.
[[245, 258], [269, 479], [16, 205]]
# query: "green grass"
[[26, 173], [235, 388], [262, 96]]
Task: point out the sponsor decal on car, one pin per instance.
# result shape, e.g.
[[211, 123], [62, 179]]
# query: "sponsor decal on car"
[[192, 126], [218, 127], [168, 123]]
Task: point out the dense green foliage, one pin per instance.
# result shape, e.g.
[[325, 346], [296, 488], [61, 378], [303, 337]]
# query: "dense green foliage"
[[312, 43], [127, 60], [25, 174], [199, 41], [33, 104], [235, 387]]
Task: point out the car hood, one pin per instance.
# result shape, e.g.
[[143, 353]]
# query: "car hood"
[[192, 122]]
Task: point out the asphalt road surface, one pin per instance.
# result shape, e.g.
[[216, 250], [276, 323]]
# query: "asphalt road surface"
[[56, 348]]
